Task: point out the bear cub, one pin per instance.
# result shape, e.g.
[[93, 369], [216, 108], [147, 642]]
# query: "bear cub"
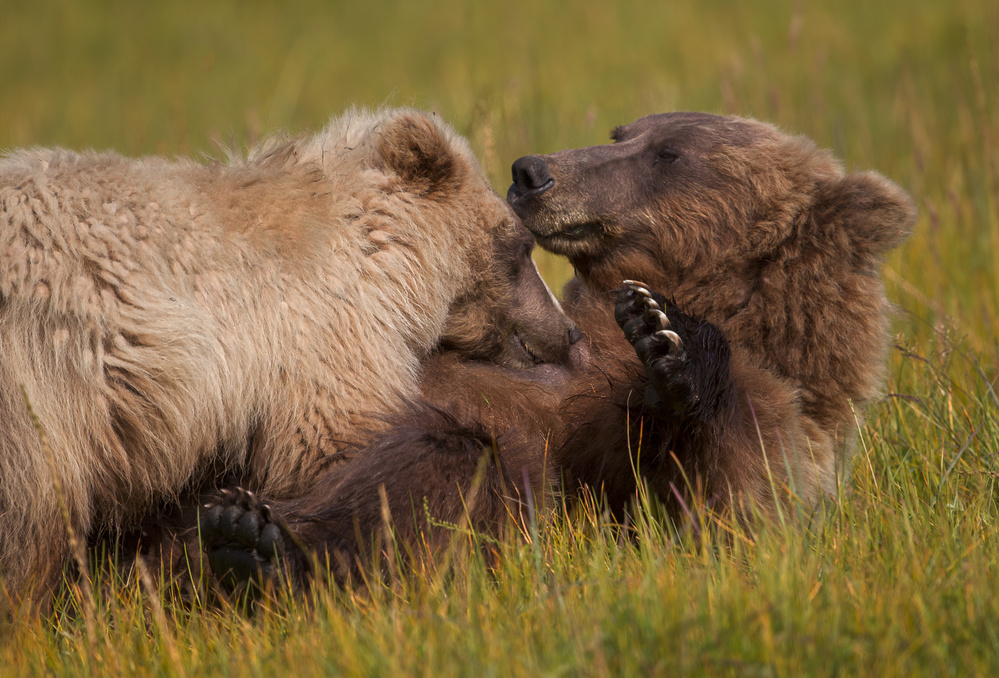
[[734, 371], [176, 325]]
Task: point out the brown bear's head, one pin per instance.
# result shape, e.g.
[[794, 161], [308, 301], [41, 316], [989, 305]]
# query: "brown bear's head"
[[503, 311], [509, 316], [691, 196]]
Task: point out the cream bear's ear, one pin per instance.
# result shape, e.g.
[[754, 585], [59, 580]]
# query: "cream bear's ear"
[[874, 212], [418, 151]]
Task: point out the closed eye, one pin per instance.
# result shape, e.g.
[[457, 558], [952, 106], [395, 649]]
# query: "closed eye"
[[667, 155]]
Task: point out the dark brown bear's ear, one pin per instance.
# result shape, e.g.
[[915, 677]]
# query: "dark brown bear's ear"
[[875, 212], [419, 152]]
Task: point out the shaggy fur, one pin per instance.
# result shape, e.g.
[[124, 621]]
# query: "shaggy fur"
[[765, 237], [768, 254], [173, 323]]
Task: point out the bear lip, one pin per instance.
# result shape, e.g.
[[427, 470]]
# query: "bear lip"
[[583, 230], [526, 347], [570, 234]]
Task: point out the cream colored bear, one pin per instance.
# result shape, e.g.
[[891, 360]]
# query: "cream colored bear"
[[170, 322]]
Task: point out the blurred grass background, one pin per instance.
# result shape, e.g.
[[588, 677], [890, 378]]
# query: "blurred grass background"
[[899, 581], [908, 90]]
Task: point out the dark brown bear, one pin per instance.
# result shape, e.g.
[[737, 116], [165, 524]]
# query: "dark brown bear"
[[749, 378]]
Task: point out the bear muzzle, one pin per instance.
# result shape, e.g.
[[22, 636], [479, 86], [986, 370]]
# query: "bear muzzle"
[[530, 179]]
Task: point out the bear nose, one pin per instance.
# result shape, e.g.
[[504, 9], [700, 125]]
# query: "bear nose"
[[575, 334], [530, 177]]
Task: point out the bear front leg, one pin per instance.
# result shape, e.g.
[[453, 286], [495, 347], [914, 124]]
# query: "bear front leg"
[[420, 484], [248, 543], [687, 360]]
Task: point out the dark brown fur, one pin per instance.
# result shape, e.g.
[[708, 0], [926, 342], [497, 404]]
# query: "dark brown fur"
[[771, 255]]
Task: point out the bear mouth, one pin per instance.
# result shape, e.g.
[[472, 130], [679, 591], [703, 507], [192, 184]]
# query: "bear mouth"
[[570, 235], [526, 348], [580, 231]]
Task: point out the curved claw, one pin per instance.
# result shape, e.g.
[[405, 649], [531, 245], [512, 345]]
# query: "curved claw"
[[671, 336], [657, 317], [246, 498], [638, 287]]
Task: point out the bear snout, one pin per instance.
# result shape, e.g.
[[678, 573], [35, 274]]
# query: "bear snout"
[[575, 334], [530, 178]]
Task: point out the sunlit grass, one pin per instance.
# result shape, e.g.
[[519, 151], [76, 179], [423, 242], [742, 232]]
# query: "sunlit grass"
[[898, 579], [895, 580]]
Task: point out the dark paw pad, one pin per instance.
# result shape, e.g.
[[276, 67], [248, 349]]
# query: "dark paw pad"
[[244, 539]]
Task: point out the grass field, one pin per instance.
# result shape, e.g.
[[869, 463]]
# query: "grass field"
[[900, 577]]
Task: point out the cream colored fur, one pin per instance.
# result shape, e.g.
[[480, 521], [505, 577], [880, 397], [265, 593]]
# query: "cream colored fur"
[[169, 319]]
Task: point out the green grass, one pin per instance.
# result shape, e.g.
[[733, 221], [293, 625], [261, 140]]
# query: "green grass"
[[899, 579]]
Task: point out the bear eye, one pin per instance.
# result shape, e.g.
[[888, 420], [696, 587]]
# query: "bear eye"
[[666, 155]]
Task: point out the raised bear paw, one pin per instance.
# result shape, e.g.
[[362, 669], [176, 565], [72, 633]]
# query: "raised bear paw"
[[686, 360], [645, 325], [247, 543]]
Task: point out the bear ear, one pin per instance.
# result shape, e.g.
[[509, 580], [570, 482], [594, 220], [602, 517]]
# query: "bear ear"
[[875, 212], [419, 152]]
